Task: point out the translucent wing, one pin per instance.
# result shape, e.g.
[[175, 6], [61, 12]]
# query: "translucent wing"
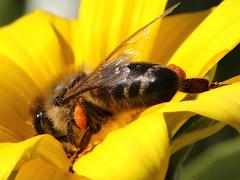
[[107, 74], [142, 33], [114, 69]]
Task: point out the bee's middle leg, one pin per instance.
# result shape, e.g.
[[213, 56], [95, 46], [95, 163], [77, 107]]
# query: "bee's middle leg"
[[78, 137], [74, 134], [72, 139]]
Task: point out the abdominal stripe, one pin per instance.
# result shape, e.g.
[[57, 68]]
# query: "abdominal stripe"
[[136, 83]]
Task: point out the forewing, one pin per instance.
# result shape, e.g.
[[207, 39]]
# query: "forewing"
[[109, 73], [129, 44], [114, 69]]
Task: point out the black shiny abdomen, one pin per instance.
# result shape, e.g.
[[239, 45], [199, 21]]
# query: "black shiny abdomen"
[[147, 84]]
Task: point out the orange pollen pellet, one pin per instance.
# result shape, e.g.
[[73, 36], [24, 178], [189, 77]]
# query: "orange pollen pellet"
[[80, 117], [179, 71]]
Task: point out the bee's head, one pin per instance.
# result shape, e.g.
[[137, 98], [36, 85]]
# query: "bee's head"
[[63, 87], [58, 101], [38, 114]]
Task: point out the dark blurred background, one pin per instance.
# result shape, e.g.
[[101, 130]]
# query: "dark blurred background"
[[10, 10], [216, 157]]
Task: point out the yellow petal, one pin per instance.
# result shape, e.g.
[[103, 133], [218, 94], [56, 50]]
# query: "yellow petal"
[[8, 135], [174, 121], [32, 44], [194, 136], [138, 151], [232, 80], [37, 170], [210, 41], [172, 32], [105, 24], [44, 147], [220, 104], [16, 92], [65, 30]]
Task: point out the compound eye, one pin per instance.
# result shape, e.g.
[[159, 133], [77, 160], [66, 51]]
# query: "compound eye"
[[39, 115], [58, 101]]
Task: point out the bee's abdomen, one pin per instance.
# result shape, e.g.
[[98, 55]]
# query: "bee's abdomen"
[[133, 85], [147, 84]]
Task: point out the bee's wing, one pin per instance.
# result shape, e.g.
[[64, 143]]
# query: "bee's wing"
[[142, 33], [114, 69], [107, 74]]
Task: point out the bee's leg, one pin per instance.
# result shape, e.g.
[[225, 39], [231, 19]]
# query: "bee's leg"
[[71, 128], [216, 85], [69, 148], [84, 142], [78, 138], [62, 138], [72, 141], [194, 85], [74, 133], [198, 85]]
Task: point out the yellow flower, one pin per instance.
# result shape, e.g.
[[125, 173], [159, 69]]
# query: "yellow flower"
[[37, 47]]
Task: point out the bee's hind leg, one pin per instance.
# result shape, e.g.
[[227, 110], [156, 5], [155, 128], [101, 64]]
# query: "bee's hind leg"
[[198, 85], [194, 85], [78, 137]]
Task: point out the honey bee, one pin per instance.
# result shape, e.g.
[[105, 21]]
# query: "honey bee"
[[79, 105]]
